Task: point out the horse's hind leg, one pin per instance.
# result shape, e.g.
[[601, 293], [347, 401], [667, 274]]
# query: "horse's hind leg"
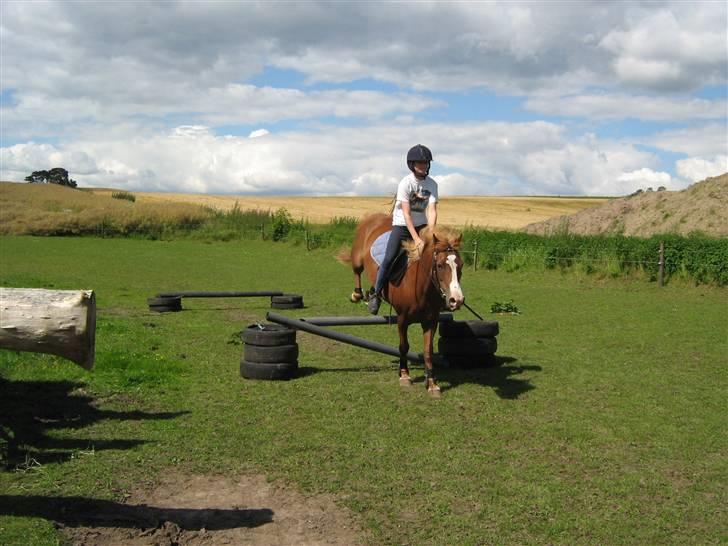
[[357, 265], [404, 376]]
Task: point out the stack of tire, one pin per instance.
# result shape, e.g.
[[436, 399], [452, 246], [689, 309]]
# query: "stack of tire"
[[165, 304], [270, 352], [286, 301], [468, 343]]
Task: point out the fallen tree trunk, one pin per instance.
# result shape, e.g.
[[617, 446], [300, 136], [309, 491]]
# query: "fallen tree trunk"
[[58, 322]]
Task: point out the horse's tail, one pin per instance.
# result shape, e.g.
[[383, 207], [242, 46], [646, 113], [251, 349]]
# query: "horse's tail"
[[344, 256]]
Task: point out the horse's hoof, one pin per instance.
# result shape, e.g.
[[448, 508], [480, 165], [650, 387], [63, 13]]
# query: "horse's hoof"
[[405, 381], [434, 391], [355, 297]]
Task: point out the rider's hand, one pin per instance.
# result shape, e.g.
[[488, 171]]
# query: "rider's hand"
[[419, 243]]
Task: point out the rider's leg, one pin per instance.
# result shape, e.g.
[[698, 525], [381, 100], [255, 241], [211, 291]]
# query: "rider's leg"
[[395, 239]]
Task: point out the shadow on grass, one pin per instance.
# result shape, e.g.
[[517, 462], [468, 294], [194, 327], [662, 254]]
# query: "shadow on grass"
[[86, 512], [30, 409], [305, 371], [500, 374]]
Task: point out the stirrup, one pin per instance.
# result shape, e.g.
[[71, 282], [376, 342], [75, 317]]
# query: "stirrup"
[[368, 294]]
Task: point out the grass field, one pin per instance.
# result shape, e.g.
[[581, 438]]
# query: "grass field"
[[604, 425], [37, 208], [490, 212]]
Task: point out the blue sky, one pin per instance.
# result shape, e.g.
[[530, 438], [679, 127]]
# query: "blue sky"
[[314, 98]]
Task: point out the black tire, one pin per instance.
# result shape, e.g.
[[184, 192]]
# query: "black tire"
[[287, 298], [262, 354], [268, 370], [469, 328], [466, 346], [276, 305], [164, 309], [469, 362], [167, 301], [269, 335], [165, 305]]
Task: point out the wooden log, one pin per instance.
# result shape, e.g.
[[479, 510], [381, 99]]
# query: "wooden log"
[[58, 322]]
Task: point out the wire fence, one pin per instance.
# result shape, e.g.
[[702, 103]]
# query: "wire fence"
[[704, 260]]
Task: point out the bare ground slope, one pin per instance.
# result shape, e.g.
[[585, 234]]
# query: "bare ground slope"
[[701, 207]]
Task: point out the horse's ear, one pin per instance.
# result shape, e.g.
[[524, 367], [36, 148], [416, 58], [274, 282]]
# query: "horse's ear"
[[456, 242]]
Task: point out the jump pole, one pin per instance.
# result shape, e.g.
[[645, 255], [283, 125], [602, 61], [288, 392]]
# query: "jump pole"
[[360, 321], [299, 324], [218, 294]]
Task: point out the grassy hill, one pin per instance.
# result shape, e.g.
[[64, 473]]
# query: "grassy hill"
[[42, 209], [46, 208]]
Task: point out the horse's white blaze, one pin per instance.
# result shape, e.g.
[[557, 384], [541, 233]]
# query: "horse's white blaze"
[[455, 290]]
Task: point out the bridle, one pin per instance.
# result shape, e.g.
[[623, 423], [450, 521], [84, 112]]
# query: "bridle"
[[434, 276]]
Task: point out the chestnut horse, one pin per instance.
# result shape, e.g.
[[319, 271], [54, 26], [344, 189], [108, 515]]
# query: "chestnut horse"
[[430, 284]]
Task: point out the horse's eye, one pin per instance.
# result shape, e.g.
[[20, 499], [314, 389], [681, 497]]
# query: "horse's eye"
[[440, 266]]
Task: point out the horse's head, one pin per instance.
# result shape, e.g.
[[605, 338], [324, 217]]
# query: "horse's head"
[[447, 266]]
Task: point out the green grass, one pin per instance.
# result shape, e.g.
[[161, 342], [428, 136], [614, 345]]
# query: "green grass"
[[606, 424]]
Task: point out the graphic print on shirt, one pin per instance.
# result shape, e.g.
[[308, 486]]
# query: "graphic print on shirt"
[[419, 199]]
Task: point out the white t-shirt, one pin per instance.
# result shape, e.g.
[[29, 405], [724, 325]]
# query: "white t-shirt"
[[419, 193]]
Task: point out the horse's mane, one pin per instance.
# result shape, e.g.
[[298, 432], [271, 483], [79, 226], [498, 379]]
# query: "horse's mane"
[[445, 236]]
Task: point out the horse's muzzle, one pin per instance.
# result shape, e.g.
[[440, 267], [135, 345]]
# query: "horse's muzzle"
[[454, 303]]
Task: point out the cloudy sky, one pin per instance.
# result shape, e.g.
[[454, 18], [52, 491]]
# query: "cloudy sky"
[[325, 98]]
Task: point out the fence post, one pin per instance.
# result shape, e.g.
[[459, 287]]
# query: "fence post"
[[475, 255], [262, 231], [661, 264], [308, 246]]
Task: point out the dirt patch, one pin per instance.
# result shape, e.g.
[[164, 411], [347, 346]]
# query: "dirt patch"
[[210, 511], [697, 208]]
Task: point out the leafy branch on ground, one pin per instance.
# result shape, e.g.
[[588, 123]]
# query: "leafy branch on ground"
[[507, 307]]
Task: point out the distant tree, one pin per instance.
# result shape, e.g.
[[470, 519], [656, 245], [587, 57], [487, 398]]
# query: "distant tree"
[[661, 188], [57, 175], [37, 177]]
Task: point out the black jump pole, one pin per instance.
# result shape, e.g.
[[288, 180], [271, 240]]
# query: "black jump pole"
[[360, 321], [299, 324], [219, 294], [350, 321]]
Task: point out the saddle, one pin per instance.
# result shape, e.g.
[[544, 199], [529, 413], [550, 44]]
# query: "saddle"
[[399, 265]]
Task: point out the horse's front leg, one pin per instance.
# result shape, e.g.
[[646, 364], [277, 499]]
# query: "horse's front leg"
[[428, 330], [404, 376]]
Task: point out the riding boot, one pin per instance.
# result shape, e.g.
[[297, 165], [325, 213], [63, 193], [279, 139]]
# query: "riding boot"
[[374, 303]]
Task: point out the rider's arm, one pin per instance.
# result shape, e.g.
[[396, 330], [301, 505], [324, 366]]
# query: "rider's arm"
[[432, 214], [407, 211]]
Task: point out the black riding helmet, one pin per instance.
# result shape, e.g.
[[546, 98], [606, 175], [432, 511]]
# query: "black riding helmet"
[[418, 153]]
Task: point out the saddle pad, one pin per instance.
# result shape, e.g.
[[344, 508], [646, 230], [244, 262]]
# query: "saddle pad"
[[379, 247], [400, 262]]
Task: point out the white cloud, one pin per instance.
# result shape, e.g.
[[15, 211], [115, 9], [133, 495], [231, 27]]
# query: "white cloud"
[[679, 45], [620, 106], [473, 158], [646, 178], [703, 140], [695, 169], [135, 97], [179, 51]]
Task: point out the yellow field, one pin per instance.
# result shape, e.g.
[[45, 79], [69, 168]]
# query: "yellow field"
[[511, 213]]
